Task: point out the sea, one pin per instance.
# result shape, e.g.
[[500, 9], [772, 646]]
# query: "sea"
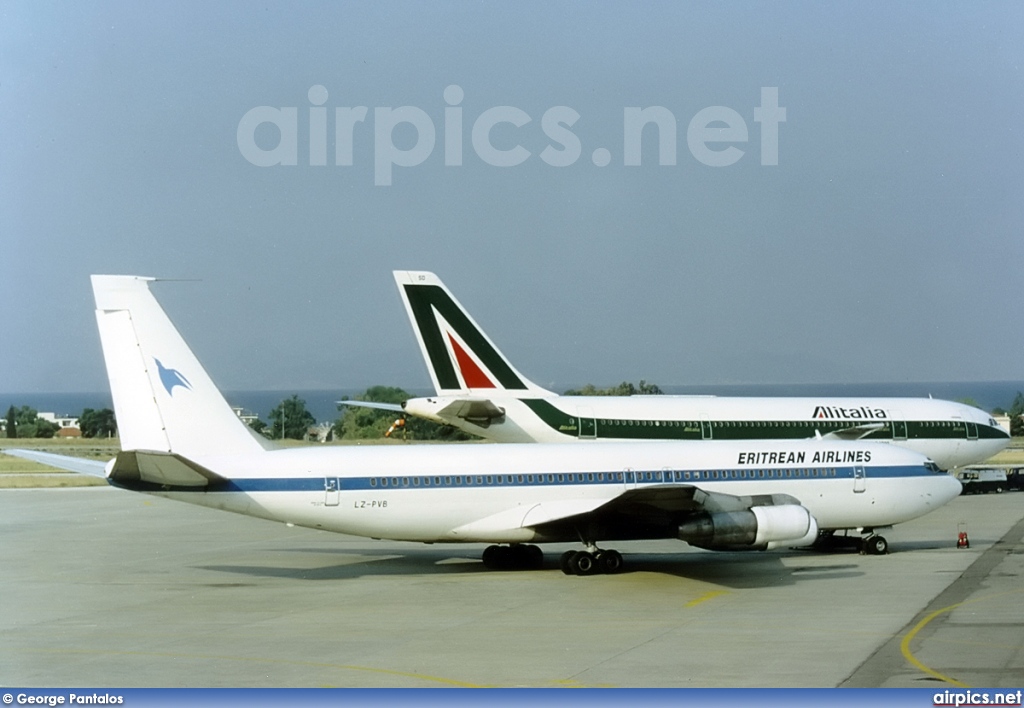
[[323, 403]]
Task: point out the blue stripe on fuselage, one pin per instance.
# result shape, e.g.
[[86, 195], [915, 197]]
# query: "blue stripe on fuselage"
[[380, 483]]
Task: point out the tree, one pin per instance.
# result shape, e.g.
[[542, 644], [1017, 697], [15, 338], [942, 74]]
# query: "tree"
[[12, 422], [1016, 411], [358, 423], [97, 424], [259, 426], [290, 419], [45, 428], [28, 424], [623, 389]]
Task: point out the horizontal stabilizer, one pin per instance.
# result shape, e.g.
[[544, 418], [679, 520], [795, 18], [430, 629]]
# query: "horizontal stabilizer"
[[477, 411], [138, 469], [396, 407], [93, 468], [855, 432]]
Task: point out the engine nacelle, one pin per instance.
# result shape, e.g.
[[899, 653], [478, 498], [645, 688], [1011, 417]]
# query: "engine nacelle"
[[756, 528]]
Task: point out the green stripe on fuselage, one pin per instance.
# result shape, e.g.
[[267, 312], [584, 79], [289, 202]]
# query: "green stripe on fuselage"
[[637, 429]]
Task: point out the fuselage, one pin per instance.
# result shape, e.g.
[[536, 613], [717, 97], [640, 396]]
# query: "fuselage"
[[951, 434], [497, 493]]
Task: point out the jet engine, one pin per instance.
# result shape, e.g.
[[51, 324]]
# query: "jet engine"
[[758, 528]]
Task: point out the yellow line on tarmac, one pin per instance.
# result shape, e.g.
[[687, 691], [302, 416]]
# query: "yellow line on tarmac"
[[909, 656], [705, 597], [905, 644]]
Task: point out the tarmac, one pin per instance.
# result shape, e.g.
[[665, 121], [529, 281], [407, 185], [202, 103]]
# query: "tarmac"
[[106, 588]]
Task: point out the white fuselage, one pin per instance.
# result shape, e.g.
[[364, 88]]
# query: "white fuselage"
[[951, 434], [500, 493]]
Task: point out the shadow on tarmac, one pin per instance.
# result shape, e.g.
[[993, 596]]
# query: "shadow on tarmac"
[[732, 570]]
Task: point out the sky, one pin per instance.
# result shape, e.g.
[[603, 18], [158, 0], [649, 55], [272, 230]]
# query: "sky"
[[825, 192]]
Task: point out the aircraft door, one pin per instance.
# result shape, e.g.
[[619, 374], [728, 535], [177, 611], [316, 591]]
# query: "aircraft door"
[[630, 478], [972, 431], [705, 429], [587, 425], [332, 491], [858, 478], [899, 425]]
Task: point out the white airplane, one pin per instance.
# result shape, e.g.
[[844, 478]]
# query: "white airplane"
[[181, 440], [480, 392]]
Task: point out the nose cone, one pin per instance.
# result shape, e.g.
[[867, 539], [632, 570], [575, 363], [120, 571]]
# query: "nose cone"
[[947, 489]]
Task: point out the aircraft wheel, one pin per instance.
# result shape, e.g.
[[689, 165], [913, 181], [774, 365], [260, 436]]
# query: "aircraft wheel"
[[876, 545], [492, 557], [565, 562], [583, 563], [533, 557], [610, 561]]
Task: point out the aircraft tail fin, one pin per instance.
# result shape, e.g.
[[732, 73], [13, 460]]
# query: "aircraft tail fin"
[[460, 357], [163, 398]]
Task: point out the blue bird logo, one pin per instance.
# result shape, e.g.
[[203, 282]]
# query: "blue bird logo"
[[171, 378]]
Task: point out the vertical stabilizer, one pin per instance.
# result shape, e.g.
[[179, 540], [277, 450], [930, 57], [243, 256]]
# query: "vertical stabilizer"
[[163, 398], [460, 357]]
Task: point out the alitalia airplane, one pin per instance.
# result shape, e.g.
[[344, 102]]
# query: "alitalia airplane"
[[181, 440], [480, 392]]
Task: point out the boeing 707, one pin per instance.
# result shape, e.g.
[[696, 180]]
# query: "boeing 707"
[[181, 440]]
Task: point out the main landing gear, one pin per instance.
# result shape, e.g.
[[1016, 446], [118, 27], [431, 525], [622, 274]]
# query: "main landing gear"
[[517, 557], [870, 545], [591, 562]]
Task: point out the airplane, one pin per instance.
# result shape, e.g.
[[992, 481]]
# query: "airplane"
[[480, 392], [181, 440]]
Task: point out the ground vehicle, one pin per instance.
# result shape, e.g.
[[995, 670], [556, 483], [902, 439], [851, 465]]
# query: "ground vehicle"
[[982, 480]]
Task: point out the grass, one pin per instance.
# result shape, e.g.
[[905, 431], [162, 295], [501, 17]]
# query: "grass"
[[1012, 455], [16, 473]]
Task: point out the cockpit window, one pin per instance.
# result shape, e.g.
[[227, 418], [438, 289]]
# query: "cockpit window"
[[932, 467]]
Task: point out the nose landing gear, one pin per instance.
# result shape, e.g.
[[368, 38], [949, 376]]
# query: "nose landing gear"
[[874, 545]]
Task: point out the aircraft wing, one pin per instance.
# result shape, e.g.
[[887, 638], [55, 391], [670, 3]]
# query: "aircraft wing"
[[93, 468], [707, 519], [683, 499], [699, 517], [854, 432], [396, 407]]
